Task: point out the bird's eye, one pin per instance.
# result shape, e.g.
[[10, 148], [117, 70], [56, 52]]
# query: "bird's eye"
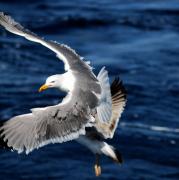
[[52, 81]]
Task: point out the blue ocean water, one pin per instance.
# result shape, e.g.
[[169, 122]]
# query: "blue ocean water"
[[136, 40]]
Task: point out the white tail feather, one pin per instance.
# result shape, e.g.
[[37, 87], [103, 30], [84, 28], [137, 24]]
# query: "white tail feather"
[[108, 151]]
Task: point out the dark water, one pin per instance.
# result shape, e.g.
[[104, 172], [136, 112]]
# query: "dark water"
[[135, 39]]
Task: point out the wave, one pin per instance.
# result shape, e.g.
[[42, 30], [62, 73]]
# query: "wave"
[[167, 12], [151, 127], [71, 22], [145, 19], [139, 20]]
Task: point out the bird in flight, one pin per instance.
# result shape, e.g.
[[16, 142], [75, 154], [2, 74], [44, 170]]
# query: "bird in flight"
[[89, 113]]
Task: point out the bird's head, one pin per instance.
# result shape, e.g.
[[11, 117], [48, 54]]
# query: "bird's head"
[[52, 82]]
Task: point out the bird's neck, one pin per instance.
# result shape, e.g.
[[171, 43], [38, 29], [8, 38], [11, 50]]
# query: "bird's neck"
[[67, 82]]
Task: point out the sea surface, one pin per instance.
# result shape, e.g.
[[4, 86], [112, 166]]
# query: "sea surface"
[[137, 40]]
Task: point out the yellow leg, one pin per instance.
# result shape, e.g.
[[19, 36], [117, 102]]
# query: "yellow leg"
[[97, 167]]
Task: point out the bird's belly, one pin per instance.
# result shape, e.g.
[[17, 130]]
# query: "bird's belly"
[[93, 145]]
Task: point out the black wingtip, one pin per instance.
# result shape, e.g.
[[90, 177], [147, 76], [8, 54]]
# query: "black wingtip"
[[119, 156], [117, 86], [3, 144]]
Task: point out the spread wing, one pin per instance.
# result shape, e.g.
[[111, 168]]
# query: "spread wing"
[[71, 59], [53, 124], [56, 123], [118, 95]]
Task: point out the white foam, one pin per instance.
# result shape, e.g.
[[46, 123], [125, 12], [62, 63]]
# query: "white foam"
[[151, 127]]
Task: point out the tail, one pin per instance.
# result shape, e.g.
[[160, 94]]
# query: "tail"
[[112, 152]]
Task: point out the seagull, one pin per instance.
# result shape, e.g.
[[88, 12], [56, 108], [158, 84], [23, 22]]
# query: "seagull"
[[89, 113]]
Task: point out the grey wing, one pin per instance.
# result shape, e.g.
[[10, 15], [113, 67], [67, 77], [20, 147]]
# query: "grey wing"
[[80, 69], [57, 123], [118, 95], [54, 124], [70, 58]]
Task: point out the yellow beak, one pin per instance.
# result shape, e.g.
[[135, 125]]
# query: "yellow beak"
[[43, 87]]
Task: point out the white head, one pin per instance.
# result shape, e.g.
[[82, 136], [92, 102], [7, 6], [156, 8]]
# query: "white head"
[[54, 81], [64, 82]]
